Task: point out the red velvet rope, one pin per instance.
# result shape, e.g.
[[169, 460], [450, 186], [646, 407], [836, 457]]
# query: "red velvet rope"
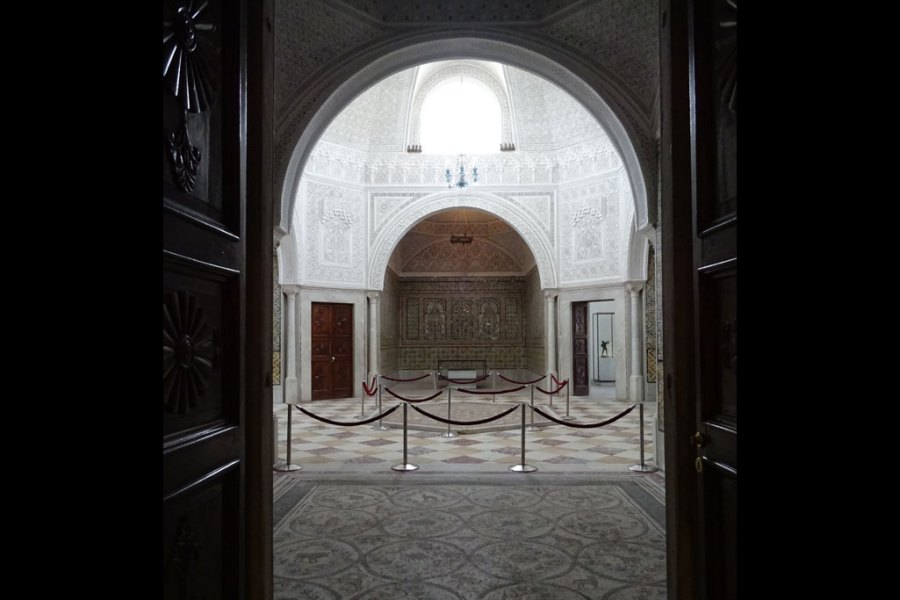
[[555, 380], [404, 380], [399, 397], [521, 387], [330, 422], [562, 385], [586, 426], [462, 381], [504, 378], [478, 422], [370, 391]]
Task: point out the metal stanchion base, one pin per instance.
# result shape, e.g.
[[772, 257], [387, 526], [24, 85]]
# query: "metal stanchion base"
[[568, 418], [449, 434], [523, 468], [404, 467], [643, 468], [381, 428], [287, 467], [533, 428]]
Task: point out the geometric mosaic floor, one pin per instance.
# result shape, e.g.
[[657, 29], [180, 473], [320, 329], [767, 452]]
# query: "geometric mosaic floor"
[[323, 448], [433, 536]]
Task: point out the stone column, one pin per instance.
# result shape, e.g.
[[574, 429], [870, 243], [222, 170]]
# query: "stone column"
[[374, 333], [291, 389], [636, 381], [550, 328]]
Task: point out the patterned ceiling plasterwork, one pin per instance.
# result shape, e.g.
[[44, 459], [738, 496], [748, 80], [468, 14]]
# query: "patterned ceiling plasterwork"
[[478, 257], [482, 229], [589, 229], [377, 119], [452, 70], [390, 235], [546, 116], [334, 239], [623, 35], [308, 35], [616, 39], [459, 10]]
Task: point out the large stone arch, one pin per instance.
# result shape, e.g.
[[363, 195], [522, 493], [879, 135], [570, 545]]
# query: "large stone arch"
[[309, 113], [526, 225], [474, 71]]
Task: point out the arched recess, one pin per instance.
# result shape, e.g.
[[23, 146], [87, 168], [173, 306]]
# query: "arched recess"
[[310, 113], [453, 70], [516, 215]]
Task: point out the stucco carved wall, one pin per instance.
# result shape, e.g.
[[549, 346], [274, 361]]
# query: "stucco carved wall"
[[334, 235], [589, 229], [478, 256]]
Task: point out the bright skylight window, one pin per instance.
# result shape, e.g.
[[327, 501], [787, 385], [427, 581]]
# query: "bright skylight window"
[[460, 114]]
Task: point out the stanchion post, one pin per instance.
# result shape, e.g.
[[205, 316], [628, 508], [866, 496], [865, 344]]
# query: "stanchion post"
[[532, 427], [567, 417], [523, 468], [449, 433], [642, 468], [404, 466], [379, 427], [433, 381], [287, 465], [362, 404]]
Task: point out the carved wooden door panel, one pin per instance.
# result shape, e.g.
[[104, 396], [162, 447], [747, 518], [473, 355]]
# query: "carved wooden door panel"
[[332, 351], [581, 383], [699, 91], [203, 311]]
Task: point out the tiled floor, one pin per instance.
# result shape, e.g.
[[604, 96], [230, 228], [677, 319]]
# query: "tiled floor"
[[319, 447]]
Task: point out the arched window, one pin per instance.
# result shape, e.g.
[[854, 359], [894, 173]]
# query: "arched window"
[[460, 115]]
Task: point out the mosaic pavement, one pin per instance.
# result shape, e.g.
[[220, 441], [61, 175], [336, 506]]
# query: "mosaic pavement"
[[468, 537]]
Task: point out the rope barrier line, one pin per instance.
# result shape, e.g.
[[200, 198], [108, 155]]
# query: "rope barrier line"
[[564, 384], [464, 381], [370, 391], [504, 378], [330, 422], [478, 422], [399, 397], [405, 380], [491, 392], [588, 425], [555, 380]]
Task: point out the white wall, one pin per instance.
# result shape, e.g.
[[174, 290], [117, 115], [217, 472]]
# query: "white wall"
[[607, 367]]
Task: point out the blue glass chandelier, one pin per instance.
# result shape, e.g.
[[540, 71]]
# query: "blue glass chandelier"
[[461, 171]]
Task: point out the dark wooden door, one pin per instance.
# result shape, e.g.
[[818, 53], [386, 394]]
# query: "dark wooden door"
[[699, 90], [580, 378], [204, 304], [332, 351]]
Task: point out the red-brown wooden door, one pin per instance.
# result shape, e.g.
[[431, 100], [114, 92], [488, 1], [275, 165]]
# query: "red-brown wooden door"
[[581, 386], [332, 351]]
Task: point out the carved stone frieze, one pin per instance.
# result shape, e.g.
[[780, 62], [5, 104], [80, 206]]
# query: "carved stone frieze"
[[589, 229], [334, 234]]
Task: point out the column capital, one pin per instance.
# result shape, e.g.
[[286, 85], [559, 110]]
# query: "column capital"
[[550, 293], [634, 287], [291, 289], [374, 295]]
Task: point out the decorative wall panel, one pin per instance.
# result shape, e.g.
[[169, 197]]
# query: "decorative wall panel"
[[390, 323], [482, 312], [276, 323], [589, 230], [534, 323], [650, 325], [335, 234]]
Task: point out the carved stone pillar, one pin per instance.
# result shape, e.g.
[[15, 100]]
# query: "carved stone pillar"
[[550, 313], [636, 380], [374, 332], [291, 389]]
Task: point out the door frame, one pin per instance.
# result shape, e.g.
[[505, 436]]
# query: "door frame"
[[309, 295], [610, 292]]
